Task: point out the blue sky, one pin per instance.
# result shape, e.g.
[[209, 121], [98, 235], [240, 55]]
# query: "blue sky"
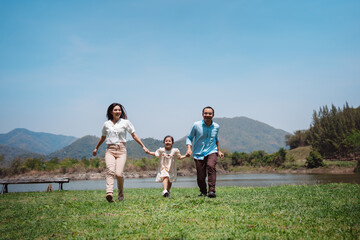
[[63, 62]]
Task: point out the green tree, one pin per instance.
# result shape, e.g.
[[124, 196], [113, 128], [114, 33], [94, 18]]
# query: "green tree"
[[95, 162], [52, 164], [352, 141], [298, 139], [257, 158], [235, 157], [330, 127], [357, 168], [34, 164], [314, 160], [85, 162], [16, 166], [279, 157]]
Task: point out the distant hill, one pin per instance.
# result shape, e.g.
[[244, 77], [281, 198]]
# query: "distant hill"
[[239, 134], [9, 153], [37, 142], [82, 147], [243, 134], [134, 150]]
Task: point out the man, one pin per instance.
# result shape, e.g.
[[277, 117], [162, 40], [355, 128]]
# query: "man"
[[203, 137]]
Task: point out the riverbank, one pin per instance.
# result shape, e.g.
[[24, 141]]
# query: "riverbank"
[[94, 169], [100, 173], [282, 212]]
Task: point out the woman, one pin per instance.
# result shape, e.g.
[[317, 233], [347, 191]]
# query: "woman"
[[114, 131]]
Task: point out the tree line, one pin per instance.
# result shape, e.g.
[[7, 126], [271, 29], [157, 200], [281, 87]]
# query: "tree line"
[[334, 133], [71, 165]]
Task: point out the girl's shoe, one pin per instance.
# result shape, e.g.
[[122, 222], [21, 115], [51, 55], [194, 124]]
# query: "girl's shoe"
[[165, 193]]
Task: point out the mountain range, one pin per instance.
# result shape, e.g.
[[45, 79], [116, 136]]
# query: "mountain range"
[[37, 142], [239, 134]]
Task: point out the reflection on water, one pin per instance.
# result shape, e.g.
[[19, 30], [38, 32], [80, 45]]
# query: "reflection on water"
[[255, 180]]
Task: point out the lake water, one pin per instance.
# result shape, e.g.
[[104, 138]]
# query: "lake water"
[[255, 180]]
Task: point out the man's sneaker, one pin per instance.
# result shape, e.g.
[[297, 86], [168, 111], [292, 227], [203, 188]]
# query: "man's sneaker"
[[211, 195], [109, 197], [165, 193], [121, 197], [202, 195]]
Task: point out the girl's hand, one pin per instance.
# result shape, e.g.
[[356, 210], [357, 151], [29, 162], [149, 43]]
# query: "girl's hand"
[[221, 155]]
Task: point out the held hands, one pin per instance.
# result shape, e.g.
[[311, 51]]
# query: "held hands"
[[146, 150], [188, 153]]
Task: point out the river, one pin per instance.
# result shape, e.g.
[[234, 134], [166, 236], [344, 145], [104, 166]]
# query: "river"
[[247, 180]]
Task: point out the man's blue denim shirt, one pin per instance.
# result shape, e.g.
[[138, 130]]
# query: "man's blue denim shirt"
[[204, 138]]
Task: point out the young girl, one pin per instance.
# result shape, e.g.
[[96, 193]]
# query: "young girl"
[[166, 172]]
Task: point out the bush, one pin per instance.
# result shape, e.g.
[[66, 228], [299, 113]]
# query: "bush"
[[352, 142], [314, 160], [17, 166], [225, 163], [290, 158], [143, 164], [4, 172], [279, 157], [298, 139], [238, 159], [85, 162], [95, 162], [187, 163], [257, 158], [34, 164], [357, 168]]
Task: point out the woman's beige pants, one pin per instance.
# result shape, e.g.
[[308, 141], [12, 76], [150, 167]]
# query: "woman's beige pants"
[[115, 158]]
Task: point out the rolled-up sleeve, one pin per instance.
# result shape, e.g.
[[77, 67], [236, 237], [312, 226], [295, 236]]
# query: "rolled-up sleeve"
[[217, 135], [190, 137]]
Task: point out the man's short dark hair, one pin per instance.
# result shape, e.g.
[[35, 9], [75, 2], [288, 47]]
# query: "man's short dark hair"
[[210, 108]]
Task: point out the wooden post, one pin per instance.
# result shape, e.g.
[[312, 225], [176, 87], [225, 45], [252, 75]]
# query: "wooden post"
[[4, 188], [49, 188]]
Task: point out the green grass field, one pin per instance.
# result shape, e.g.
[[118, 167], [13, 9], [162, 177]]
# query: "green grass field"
[[281, 212]]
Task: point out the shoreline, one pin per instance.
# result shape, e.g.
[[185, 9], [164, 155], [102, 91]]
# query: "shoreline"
[[100, 174]]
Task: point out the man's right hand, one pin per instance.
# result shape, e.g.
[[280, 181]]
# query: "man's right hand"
[[188, 152]]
